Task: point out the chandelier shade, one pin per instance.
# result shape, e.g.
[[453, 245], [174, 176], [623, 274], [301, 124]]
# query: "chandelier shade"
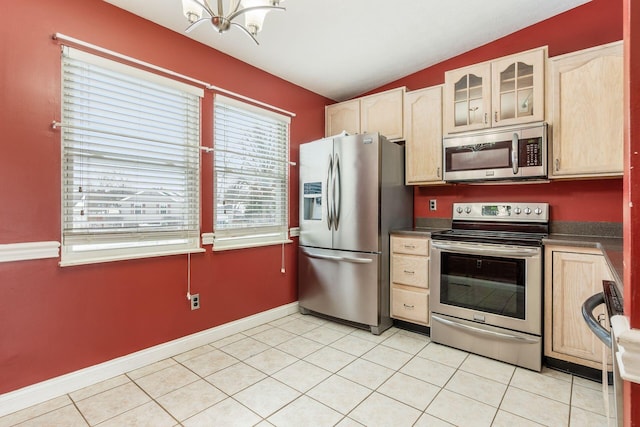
[[254, 11]]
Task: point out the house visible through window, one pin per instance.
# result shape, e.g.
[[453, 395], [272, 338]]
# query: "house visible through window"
[[251, 175], [130, 162]]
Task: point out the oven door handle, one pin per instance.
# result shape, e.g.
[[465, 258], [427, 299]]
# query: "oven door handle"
[[495, 250], [492, 334]]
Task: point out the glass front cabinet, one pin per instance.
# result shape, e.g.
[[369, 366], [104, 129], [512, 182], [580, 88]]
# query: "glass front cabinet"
[[506, 91]]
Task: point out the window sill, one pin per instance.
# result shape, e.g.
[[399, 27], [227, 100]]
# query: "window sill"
[[124, 257], [228, 247]]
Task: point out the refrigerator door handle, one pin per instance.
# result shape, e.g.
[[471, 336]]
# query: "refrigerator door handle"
[[339, 258], [329, 198], [337, 200]]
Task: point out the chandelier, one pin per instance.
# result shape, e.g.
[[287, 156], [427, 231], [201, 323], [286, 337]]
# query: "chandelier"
[[254, 11]]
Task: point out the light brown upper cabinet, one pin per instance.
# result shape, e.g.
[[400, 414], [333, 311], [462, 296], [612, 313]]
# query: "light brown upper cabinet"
[[423, 136], [380, 112], [505, 91], [585, 110], [343, 116]]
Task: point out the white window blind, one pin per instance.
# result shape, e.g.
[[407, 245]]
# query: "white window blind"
[[130, 162], [251, 175]]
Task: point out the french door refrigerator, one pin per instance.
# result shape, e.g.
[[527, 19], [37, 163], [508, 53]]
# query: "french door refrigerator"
[[352, 194]]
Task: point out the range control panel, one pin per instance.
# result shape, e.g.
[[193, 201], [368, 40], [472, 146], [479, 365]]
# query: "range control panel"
[[497, 211]]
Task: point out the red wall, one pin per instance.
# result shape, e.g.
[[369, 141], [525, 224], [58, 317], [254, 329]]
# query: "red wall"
[[570, 201], [632, 191], [595, 23], [56, 320]]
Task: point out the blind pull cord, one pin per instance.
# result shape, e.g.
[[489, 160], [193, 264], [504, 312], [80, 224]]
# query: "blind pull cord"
[[189, 276], [282, 270]]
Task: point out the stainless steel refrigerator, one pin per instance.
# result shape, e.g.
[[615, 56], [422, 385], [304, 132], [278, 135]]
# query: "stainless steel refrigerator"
[[352, 194]]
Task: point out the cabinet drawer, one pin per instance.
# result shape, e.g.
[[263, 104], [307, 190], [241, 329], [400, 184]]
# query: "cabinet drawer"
[[410, 245], [410, 305], [410, 270]]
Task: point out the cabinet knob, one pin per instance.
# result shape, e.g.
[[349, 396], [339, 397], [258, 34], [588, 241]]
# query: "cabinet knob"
[[438, 172], [410, 307], [495, 116], [557, 165], [485, 118]]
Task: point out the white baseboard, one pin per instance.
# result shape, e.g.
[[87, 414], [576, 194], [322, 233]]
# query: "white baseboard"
[[49, 389]]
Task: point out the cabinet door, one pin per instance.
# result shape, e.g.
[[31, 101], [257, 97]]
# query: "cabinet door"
[[344, 116], [574, 278], [423, 136], [586, 103], [467, 98], [382, 113], [517, 86]]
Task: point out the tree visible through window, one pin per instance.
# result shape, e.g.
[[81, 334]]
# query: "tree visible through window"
[[130, 159], [251, 174]]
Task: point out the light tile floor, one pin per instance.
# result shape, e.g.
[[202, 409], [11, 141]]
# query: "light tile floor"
[[306, 371]]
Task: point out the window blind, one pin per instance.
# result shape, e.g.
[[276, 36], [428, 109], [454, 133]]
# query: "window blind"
[[130, 162], [251, 175]]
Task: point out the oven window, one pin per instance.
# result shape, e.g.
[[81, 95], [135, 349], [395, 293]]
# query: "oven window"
[[482, 283]]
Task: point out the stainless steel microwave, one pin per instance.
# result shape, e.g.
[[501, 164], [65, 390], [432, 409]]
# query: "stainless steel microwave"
[[508, 153]]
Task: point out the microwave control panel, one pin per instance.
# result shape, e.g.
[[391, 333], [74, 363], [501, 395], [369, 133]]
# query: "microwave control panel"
[[530, 152]]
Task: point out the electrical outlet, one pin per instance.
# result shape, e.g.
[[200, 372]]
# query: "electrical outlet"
[[195, 301], [432, 205]]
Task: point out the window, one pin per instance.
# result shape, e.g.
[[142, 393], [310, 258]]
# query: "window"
[[130, 162], [251, 175]]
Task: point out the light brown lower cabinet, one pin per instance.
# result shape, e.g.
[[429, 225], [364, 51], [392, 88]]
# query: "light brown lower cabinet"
[[572, 275], [410, 279]]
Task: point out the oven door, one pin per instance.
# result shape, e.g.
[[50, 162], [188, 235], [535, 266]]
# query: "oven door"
[[496, 285]]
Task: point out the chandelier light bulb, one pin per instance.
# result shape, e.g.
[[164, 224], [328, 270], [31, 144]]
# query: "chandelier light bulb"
[[191, 10], [253, 19], [254, 12]]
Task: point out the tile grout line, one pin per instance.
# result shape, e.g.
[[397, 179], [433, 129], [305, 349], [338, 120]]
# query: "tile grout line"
[[340, 328]]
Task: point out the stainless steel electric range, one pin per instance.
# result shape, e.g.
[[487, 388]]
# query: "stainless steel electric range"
[[486, 281]]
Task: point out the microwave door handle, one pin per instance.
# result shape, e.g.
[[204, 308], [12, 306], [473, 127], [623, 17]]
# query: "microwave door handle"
[[328, 198], [514, 153]]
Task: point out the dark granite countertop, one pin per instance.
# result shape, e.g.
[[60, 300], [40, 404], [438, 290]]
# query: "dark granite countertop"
[[417, 231], [605, 236], [611, 248]]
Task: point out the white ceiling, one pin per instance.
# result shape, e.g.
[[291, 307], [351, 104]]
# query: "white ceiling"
[[343, 48]]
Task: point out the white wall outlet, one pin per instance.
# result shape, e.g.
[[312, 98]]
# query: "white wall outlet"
[[432, 205], [195, 301]]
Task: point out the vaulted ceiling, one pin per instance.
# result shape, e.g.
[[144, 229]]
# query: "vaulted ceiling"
[[343, 48]]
